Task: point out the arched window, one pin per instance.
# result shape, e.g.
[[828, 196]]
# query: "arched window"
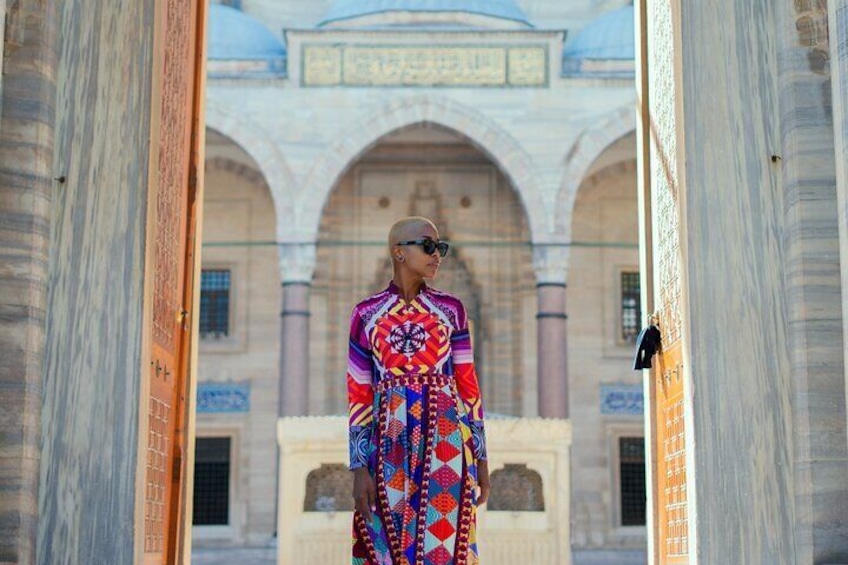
[[515, 488], [328, 489]]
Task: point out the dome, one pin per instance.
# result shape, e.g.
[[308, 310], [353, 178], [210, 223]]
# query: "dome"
[[233, 35], [352, 9], [611, 36]]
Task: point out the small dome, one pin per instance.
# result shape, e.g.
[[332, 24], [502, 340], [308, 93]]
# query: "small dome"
[[233, 35], [352, 9], [611, 36]]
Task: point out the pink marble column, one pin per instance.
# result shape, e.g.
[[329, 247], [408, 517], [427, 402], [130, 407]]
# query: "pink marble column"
[[294, 349], [297, 264], [551, 263], [553, 351]]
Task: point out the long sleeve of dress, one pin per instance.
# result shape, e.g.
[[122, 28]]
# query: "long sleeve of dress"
[[360, 393], [466, 383]]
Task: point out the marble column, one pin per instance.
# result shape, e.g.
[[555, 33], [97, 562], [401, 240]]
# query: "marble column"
[[747, 271], [27, 111], [297, 265], [838, 26], [551, 266]]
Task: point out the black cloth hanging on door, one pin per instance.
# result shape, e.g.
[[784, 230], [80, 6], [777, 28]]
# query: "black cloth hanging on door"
[[647, 345]]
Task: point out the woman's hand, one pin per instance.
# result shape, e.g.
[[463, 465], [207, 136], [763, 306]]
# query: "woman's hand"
[[483, 481], [364, 492]]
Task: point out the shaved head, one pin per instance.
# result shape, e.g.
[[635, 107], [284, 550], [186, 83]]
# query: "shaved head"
[[410, 228]]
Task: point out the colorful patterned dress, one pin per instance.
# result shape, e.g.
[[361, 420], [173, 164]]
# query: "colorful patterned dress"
[[416, 422]]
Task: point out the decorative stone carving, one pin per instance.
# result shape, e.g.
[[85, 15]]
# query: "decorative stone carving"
[[515, 488], [328, 489], [424, 65], [550, 261], [297, 262]]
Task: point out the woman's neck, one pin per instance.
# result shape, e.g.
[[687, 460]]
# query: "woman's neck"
[[408, 285]]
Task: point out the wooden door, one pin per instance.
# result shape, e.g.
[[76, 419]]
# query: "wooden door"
[[172, 223], [672, 521], [661, 181]]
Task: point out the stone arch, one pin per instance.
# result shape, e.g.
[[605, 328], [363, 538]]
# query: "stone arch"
[[257, 143], [589, 146], [357, 138], [248, 173]]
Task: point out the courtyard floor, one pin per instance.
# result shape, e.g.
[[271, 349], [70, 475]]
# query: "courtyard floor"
[[227, 556]]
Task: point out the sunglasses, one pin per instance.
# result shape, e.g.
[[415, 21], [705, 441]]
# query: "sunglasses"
[[429, 245]]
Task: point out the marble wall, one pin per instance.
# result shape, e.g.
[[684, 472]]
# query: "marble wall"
[[838, 25], [94, 309], [813, 283], [732, 224], [756, 186], [26, 190]]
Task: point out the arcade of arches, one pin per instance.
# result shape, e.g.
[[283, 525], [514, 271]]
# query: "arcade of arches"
[[433, 171]]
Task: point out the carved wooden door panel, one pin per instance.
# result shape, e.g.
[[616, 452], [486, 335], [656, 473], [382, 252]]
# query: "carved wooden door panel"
[[662, 175], [170, 270], [672, 521]]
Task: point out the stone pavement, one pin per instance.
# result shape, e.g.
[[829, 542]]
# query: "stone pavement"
[[234, 556]]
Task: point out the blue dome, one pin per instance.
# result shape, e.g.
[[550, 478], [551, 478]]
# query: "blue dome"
[[350, 9], [611, 36], [235, 35]]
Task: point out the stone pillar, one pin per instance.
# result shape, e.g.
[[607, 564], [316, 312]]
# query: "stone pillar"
[[551, 265], [297, 265], [26, 191], [838, 26], [746, 261]]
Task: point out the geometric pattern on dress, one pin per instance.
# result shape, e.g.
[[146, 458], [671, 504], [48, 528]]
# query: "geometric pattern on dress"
[[432, 339], [445, 485], [423, 407]]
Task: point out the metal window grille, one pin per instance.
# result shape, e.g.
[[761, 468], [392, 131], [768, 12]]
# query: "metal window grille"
[[215, 303], [212, 481], [631, 306], [632, 480]]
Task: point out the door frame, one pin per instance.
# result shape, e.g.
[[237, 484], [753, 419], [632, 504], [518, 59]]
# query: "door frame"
[[180, 506]]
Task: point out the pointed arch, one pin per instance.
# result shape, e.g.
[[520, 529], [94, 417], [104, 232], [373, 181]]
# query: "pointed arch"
[[586, 150], [257, 143], [358, 137]]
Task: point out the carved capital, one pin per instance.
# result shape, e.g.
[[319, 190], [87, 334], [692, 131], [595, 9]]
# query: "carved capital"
[[550, 261], [297, 262]]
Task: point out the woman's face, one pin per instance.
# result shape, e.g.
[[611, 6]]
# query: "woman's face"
[[414, 257]]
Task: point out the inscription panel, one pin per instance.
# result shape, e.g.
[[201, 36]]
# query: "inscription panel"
[[423, 65]]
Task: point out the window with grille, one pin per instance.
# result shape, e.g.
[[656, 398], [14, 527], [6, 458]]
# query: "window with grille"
[[212, 481], [215, 303], [631, 451], [631, 306]]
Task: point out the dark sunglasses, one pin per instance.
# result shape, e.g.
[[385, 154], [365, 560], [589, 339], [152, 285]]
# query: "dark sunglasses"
[[429, 245]]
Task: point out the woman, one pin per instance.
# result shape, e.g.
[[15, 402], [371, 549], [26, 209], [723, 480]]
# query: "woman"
[[417, 441]]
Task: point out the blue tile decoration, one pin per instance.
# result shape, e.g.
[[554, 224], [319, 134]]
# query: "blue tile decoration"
[[223, 397], [625, 400]]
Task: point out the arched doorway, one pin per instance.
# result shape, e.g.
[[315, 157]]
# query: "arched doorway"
[[432, 171], [608, 477], [239, 346]]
